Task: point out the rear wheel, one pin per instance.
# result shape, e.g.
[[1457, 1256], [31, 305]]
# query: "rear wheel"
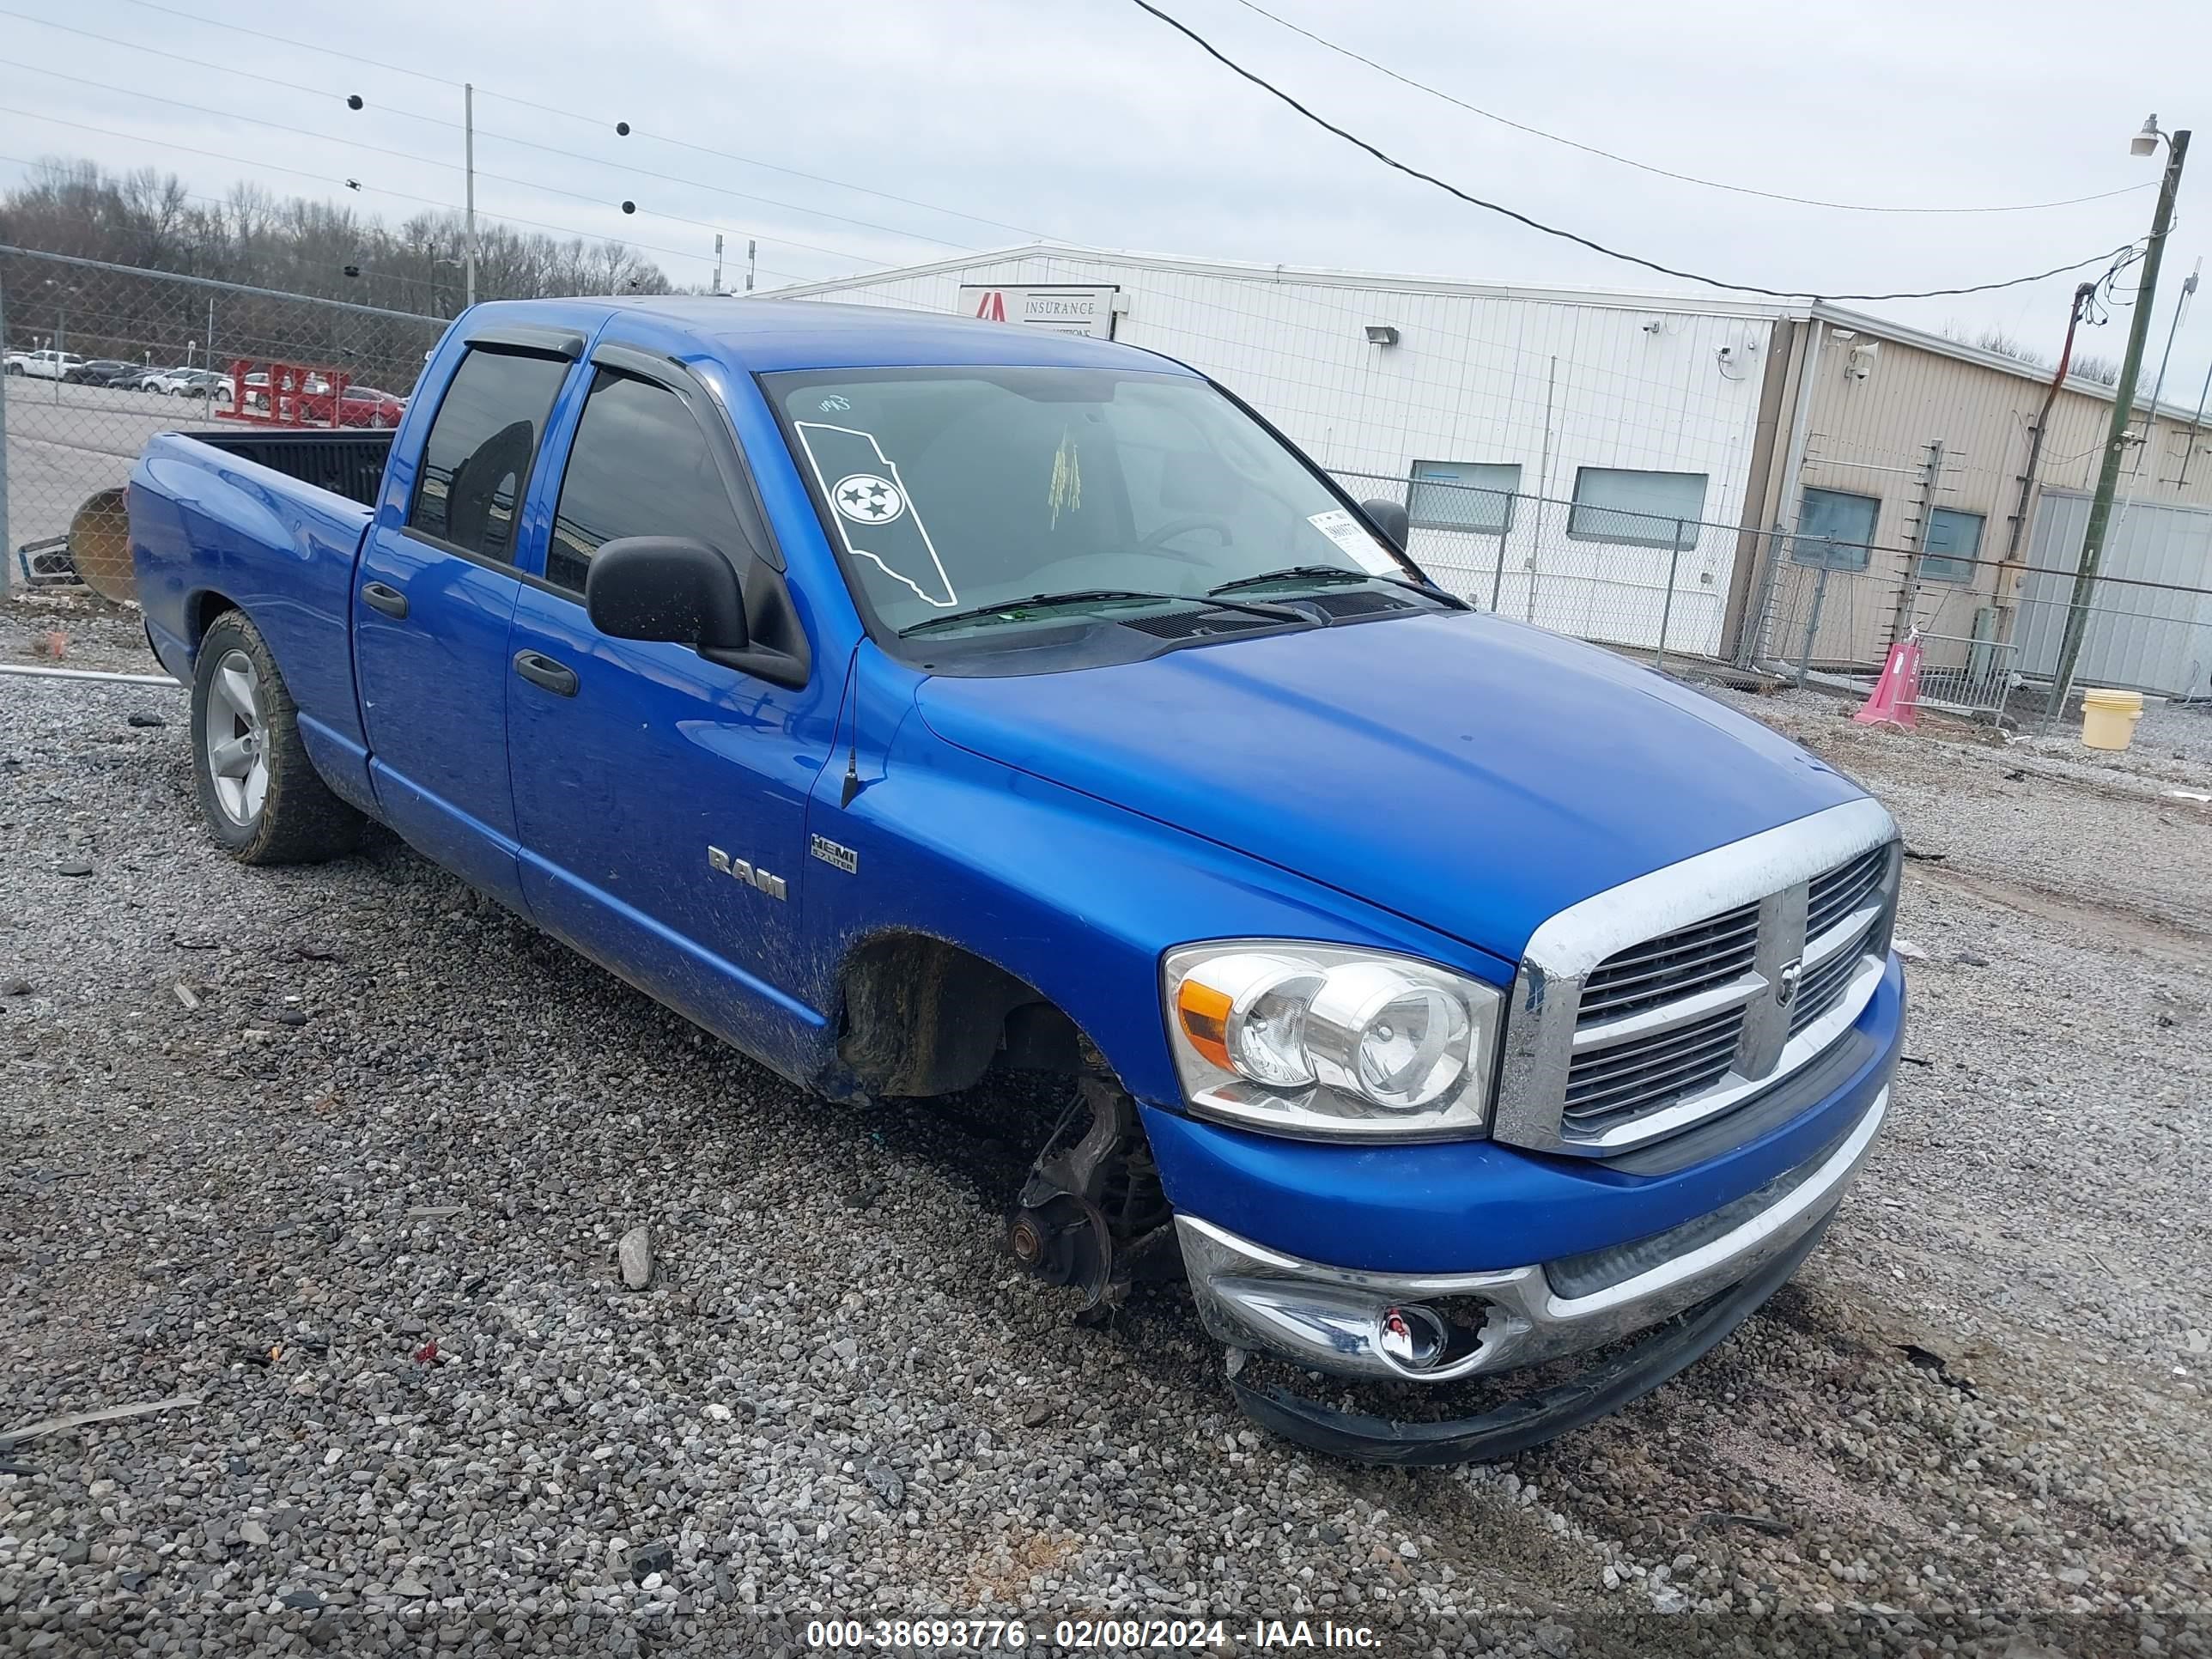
[[257, 789]]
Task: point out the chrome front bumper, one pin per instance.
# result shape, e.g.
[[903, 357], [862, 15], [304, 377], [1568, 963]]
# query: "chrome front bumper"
[[1334, 1320]]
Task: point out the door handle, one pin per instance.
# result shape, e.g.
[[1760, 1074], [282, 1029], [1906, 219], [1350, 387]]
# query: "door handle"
[[379, 597], [541, 670]]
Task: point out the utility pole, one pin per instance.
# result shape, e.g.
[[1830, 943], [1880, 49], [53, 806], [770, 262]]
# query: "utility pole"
[[469, 157], [718, 262], [752, 253], [2123, 394]]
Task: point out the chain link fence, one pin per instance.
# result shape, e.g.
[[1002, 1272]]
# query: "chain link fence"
[[1650, 584], [101, 356], [1828, 613], [1807, 609]]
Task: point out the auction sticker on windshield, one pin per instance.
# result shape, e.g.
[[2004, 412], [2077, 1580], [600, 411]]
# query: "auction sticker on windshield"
[[1355, 538], [876, 517]]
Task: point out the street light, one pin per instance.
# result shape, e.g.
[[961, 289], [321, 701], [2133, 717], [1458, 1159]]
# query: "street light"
[[2145, 143]]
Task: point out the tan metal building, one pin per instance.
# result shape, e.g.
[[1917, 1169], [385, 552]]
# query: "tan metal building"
[[1899, 463]]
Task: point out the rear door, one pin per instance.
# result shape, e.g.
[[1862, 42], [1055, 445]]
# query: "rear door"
[[660, 797], [434, 597]]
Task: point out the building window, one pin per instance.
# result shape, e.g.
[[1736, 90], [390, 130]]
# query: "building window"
[[1835, 529], [1954, 543], [1636, 509], [1474, 495]]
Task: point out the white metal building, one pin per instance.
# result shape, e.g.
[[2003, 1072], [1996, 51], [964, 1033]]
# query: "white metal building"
[[1602, 418]]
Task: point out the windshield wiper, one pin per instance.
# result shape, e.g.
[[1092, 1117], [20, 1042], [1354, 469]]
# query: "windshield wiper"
[[1336, 572], [1315, 572], [1098, 596]]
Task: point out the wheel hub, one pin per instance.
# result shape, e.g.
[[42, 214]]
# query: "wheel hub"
[[233, 739]]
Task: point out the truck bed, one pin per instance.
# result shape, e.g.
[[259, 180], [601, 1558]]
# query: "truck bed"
[[271, 521], [348, 462]]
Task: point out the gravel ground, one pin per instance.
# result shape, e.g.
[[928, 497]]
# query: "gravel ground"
[[94, 634], [383, 1117]]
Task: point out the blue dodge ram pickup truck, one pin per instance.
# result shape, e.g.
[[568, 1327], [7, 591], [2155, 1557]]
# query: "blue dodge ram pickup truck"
[[901, 698]]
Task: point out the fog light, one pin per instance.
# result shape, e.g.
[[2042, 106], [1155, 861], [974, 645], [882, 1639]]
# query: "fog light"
[[1411, 1336]]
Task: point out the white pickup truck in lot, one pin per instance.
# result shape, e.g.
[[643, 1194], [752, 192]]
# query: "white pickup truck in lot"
[[43, 365]]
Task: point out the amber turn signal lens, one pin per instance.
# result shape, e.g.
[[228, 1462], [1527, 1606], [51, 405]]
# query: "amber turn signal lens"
[[1204, 1014]]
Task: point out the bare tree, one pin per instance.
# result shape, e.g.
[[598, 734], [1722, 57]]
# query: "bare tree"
[[2087, 366], [322, 249]]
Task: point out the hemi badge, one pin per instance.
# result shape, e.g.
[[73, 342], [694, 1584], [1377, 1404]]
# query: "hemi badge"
[[831, 853]]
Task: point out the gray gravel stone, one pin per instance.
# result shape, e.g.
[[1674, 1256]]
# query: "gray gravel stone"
[[2035, 1216], [635, 1252]]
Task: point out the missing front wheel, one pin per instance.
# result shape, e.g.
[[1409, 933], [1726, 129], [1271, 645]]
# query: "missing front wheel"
[[1092, 1212]]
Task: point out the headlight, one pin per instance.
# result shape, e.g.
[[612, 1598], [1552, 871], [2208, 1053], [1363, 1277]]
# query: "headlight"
[[1331, 1042]]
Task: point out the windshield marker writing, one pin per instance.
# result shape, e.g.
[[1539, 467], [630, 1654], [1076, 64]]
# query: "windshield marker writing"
[[876, 517]]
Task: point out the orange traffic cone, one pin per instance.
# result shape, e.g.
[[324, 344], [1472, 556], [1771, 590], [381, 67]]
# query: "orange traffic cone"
[[1896, 695]]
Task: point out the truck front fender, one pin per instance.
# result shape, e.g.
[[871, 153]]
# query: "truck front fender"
[[1059, 897]]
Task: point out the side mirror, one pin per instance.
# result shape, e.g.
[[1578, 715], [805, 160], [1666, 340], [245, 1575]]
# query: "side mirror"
[[1391, 520], [665, 587]]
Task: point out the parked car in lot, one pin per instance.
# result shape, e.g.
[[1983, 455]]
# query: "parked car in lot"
[[904, 699], [104, 371], [365, 405], [203, 383], [45, 364], [358, 405]]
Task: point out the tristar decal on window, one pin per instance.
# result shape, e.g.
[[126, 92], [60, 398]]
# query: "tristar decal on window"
[[875, 518]]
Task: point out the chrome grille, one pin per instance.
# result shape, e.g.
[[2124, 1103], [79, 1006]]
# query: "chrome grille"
[[1823, 987], [1671, 998], [1836, 895], [1672, 965], [1639, 1077]]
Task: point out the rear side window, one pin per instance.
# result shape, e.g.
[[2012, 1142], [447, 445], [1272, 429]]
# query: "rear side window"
[[477, 459], [640, 466]]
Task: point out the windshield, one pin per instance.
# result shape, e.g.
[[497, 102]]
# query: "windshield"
[[954, 490]]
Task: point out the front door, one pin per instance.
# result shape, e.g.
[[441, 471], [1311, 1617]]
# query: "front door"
[[661, 799], [433, 599]]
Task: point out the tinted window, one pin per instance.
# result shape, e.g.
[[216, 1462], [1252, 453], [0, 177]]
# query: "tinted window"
[[640, 466], [477, 458]]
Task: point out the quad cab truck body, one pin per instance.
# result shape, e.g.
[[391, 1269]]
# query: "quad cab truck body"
[[902, 698]]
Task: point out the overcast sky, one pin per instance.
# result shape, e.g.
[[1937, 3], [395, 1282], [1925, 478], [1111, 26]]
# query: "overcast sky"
[[1089, 121]]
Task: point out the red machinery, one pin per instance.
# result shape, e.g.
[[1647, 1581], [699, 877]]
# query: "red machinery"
[[284, 394]]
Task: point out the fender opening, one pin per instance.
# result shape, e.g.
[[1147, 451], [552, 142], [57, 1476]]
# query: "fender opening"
[[925, 1017]]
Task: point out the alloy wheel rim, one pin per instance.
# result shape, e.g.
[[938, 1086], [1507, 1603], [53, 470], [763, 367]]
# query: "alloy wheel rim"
[[236, 739]]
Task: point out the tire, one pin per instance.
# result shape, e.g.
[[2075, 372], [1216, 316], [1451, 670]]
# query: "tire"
[[257, 790]]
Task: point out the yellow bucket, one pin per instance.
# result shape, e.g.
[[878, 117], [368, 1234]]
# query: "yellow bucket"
[[2108, 718]]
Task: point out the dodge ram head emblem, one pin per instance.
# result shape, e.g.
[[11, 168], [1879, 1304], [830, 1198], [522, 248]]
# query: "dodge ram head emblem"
[[1785, 982]]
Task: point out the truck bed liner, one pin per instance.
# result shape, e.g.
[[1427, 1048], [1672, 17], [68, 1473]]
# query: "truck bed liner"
[[346, 462]]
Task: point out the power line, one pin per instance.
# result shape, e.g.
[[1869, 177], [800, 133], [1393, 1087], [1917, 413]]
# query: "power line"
[[596, 123], [427, 160], [1393, 163], [377, 190], [1663, 172], [482, 132]]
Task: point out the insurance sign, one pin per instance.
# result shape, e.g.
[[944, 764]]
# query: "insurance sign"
[[1063, 310]]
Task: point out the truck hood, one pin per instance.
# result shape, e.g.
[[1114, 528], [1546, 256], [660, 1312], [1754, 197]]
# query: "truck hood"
[[1473, 775]]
